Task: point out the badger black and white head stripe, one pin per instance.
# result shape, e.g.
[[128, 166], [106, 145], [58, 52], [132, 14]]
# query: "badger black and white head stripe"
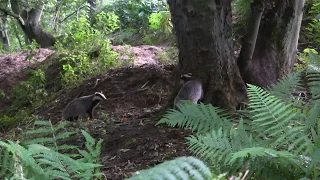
[[99, 96], [188, 75]]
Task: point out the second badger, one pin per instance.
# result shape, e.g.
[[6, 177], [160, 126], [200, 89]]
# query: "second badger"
[[82, 105], [191, 90]]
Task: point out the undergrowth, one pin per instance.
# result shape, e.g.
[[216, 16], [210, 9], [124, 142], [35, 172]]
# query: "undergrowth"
[[43, 154], [276, 138]]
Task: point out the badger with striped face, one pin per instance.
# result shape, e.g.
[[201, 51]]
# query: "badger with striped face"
[[191, 90], [83, 105]]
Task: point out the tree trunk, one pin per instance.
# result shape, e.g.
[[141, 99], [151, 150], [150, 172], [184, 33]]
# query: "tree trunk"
[[206, 49], [4, 37], [275, 52], [249, 43], [92, 9], [31, 25]]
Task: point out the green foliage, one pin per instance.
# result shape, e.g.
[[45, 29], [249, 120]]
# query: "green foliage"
[[168, 55], [135, 13], [79, 66], [93, 153], [197, 118], [275, 140], [106, 22], [161, 21], [305, 58], [81, 39], [36, 161], [283, 89], [179, 168], [125, 36], [50, 136], [30, 92], [241, 9], [314, 26]]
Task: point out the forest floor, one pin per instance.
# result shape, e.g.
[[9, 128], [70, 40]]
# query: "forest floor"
[[126, 121]]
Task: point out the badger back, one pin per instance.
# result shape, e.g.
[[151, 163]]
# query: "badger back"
[[191, 90], [78, 107]]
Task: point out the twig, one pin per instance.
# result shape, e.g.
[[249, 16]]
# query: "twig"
[[7, 12]]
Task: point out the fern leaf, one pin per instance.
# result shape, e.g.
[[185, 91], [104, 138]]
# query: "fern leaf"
[[211, 146], [179, 168], [283, 89], [6, 162], [313, 80], [42, 123], [277, 121], [199, 118]]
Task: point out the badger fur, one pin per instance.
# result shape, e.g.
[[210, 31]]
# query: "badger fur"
[[82, 105], [191, 90]]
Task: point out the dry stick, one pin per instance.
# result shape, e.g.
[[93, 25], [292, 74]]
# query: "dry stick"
[[245, 174]]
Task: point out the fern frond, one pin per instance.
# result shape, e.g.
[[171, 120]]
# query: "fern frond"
[[199, 118], [6, 163], [179, 168], [276, 120], [284, 88], [313, 80], [50, 136], [262, 152]]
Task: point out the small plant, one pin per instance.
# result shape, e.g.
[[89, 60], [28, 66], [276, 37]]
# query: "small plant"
[[30, 92], [314, 26], [304, 59], [161, 21], [168, 56], [179, 168], [30, 160], [135, 13], [106, 22]]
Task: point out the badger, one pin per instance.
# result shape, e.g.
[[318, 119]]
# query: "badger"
[[82, 105], [191, 90]]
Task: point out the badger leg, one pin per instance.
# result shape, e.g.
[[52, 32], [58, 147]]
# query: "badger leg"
[[90, 113]]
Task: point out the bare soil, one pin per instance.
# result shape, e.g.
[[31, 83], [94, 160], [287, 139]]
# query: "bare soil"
[[126, 121]]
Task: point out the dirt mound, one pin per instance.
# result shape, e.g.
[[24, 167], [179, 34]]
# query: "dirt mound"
[[131, 92], [131, 140], [143, 54], [12, 66], [125, 121]]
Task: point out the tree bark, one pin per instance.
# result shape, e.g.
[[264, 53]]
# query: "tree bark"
[[4, 37], [249, 43], [92, 9], [275, 51], [29, 21], [206, 49]]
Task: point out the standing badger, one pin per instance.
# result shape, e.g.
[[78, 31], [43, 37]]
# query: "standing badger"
[[191, 90], [81, 106]]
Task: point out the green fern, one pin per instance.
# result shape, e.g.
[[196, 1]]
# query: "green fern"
[[50, 136], [274, 119], [6, 165], [199, 118], [35, 161], [275, 140], [313, 75], [179, 168], [217, 146], [93, 153], [284, 88], [313, 80]]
